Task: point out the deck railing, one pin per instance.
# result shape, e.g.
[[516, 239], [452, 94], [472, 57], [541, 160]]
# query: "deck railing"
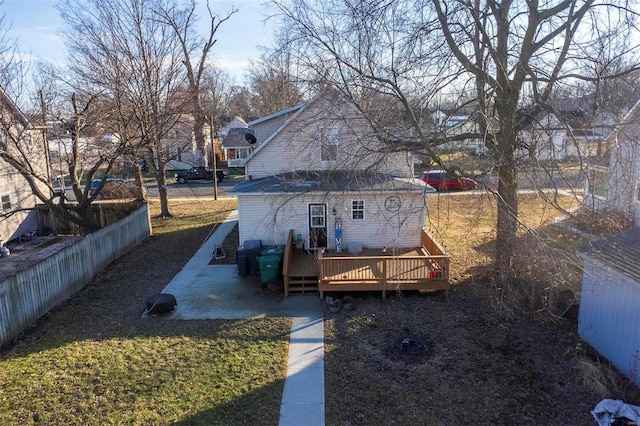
[[234, 162], [412, 272]]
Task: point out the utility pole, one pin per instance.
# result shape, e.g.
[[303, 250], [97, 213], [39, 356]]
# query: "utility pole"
[[213, 160]]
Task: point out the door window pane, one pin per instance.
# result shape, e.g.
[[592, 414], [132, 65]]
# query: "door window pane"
[[318, 216]]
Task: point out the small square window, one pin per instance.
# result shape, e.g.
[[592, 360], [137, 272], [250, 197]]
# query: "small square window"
[[6, 203], [357, 210]]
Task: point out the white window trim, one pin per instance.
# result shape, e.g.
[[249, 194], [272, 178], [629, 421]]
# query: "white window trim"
[[358, 210], [6, 194]]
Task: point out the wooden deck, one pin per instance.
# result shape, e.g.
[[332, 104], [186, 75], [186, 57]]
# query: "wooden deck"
[[423, 268]]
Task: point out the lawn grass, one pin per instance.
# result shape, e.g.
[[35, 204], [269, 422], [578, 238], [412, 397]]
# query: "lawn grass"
[[466, 225], [478, 367], [95, 360]]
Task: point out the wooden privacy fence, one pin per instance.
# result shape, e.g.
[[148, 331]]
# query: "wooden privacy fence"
[[30, 293]]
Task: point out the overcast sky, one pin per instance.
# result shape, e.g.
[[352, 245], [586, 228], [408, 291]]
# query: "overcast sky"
[[35, 23]]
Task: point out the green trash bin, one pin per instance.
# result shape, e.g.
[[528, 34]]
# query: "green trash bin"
[[272, 250], [269, 267]]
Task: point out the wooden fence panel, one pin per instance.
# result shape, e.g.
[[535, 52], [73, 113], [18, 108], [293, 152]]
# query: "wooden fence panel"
[[30, 293]]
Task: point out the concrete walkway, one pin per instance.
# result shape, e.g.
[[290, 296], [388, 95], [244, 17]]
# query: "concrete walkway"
[[206, 291]]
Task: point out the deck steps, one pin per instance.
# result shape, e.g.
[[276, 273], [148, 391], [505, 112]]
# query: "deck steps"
[[302, 285]]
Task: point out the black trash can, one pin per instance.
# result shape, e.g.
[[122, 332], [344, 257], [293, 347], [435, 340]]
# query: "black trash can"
[[250, 252], [243, 264], [254, 266]]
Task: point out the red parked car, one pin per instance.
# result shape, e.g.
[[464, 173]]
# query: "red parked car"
[[443, 181]]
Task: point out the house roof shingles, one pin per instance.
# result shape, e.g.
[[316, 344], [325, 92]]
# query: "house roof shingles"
[[324, 181], [236, 138], [620, 251]]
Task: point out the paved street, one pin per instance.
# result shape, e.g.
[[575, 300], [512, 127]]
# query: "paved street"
[[566, 179]]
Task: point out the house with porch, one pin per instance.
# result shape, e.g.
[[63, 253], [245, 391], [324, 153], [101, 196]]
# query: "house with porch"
[[17, 201], [236, 146], [347, 209]]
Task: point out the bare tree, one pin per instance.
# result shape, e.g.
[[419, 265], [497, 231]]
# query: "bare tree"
[[24, 145], [273, 82], [239, 103], [215, 97], [182, 21], [504, 55], [119, 48]]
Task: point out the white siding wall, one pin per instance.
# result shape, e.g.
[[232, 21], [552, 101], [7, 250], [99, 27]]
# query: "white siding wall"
[[269, 218], [12, 183], [298, 145], [609, 319], [624, 172], [266, 128]]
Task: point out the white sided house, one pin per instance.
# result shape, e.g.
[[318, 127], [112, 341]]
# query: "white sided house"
[[618, 187], [323, 174], [17, 200]]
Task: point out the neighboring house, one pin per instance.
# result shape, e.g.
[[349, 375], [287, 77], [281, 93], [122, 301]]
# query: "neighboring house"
[[610, 296], [322, 173], [16, 197], [266, 126], [235, 123], [567, 134], [549, 136], [236, 147], [180, 143], [459, 125], [617, 188], [610, 300]]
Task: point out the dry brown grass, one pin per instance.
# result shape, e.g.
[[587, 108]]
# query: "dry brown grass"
[[95, 361], [480, 367]]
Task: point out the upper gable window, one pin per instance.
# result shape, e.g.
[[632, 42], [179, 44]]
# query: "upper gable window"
[[329, 144], [5, 199]]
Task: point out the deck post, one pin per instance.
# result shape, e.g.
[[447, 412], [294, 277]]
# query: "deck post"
[[384, 278], [286, 267]]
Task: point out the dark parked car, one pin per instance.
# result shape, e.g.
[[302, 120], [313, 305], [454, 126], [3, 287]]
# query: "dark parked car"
[[199, 173], [443, 181], [113, 188]]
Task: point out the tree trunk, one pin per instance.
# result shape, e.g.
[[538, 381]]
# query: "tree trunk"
[[505, 157], [199, 121], [162, 190], [507, 223], [160, 171], [139, 183]]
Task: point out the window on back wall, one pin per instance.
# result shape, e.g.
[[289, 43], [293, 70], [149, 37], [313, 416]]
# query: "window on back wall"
[[598, 182], [357, 209], [328, 144], [5, 199]]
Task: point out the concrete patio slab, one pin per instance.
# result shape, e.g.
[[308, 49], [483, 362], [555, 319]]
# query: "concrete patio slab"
[[205, 291]]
